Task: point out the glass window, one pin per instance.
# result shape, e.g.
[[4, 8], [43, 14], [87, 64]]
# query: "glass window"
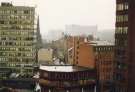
[[122, 6]]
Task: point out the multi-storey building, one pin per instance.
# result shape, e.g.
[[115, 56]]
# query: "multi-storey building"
[[17, 39], [80, 53], [72, 43], [125, 52], [104, 59], [93, 54]]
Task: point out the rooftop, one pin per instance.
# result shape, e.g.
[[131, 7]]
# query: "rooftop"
[[10, 4], [101, 43], [63, 68]]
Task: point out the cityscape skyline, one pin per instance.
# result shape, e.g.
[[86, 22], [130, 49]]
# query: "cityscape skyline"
[[90, 50], [56, 14]]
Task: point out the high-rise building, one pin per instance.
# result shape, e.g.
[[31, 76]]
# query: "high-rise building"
[[17, 39], [125, 51]]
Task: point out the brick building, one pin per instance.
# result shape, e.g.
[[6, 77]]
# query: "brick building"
[[104, 59], [80, 53]]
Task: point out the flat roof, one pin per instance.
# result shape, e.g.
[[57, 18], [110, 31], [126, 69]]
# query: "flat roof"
[[10, 4], [63, 68], [101, 43]]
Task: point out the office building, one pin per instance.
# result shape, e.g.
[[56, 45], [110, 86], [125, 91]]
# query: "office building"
[[17, 39], [125, 51]]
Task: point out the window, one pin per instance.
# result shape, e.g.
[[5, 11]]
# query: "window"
[[126, 6], [122, 30], [122, 18], [15, 11], [122, 6], [26, 11], [1, 22]]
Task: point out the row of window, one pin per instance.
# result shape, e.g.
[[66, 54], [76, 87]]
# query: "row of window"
[[121, 30], [121, 18], [20, 22], [19, 65], [18, 38], [16, 59], [17, 43], [8, 11], [83, 75], [16, 49], [18, 27], [122, 6], [105, 56], [20, 32], [17, 17], [17, 54], [107, 48]]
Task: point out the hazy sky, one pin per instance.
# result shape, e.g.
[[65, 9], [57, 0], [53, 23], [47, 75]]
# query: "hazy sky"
[[55, 14]]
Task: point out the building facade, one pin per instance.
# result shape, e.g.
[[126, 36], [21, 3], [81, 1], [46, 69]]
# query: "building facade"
[[17, 39], [45, 56], [80, 53], [121, 37], [94, 54], [67, 79], [104, 59], [124, 52]]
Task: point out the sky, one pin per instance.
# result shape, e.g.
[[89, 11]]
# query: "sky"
[[55, 14]]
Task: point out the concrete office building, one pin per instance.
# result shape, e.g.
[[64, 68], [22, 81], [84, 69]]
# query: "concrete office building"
[[17, 39]]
